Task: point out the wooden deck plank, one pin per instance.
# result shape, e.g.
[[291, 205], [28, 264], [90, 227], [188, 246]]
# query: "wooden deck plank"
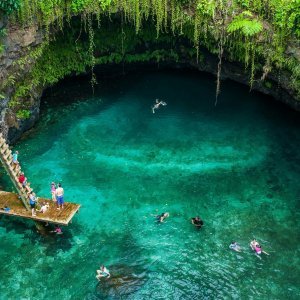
[[53, 215]]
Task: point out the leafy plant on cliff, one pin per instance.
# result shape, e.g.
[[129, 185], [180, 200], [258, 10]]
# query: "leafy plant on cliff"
[[9, 6], [64, 56], [23, 114], [246, 24], [247, 27], [255, 32]]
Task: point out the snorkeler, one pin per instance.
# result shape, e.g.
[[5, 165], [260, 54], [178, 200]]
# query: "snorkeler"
[[235, 247], [197, 222], [162, 217], [158, 104], [255, 246], [102, 273]]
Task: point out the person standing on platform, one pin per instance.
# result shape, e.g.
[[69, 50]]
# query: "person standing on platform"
[[32, 202], [53, 192], [60, 196]]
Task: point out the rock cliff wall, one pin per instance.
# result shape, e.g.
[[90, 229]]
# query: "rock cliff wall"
[[19, 42]]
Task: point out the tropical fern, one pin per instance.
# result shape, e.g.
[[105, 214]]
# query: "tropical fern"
[[246, 24]]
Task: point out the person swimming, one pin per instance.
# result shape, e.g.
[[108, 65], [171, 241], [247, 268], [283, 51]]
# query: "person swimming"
[[235, 247], [102, 273], [157, 105], [57, 230], [255, 246], [197, 222], [160, 218]]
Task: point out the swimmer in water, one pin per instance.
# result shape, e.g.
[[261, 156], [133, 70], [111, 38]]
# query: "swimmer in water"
[[235, 247], [255, 246], [197, 222], [102, 273], [162, 217], [158, 104], [57, 230]]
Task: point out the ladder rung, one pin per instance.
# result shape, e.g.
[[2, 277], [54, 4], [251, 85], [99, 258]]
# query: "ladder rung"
[[15, 166], [13, 170], [24, 189], [7, 151], [7, 157], [5, 146], [4, 152], [24, 195], [17, 181]]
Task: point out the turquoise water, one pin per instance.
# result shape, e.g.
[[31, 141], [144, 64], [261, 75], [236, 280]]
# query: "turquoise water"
[[237, 165]]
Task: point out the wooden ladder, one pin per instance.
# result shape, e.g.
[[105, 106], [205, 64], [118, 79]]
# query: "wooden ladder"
[[12, 170]]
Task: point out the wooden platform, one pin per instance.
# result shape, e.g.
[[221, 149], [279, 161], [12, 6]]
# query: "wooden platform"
[[52, 215]]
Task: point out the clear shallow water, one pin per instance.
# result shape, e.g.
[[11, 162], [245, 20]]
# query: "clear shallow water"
[[236, 165]]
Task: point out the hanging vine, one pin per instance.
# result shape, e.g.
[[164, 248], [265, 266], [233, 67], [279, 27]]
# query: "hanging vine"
[[91, 49], [221, 43], [222, 26]]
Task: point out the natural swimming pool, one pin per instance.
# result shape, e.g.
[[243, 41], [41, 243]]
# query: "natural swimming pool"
[[237, 165]]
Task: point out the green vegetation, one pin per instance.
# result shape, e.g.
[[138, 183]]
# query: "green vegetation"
[[9, 6], [23, 114], [255, 32], [68, 54], [2, 35]]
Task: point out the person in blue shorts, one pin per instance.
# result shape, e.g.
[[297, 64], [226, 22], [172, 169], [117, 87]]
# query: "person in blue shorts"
[[60, 196], [32, 202]]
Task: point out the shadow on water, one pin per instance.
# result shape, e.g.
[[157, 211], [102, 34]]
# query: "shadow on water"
[[124, 281], [51, 242]]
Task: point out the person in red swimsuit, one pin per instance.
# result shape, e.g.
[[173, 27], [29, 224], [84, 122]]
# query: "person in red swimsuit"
[[22, 179]]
